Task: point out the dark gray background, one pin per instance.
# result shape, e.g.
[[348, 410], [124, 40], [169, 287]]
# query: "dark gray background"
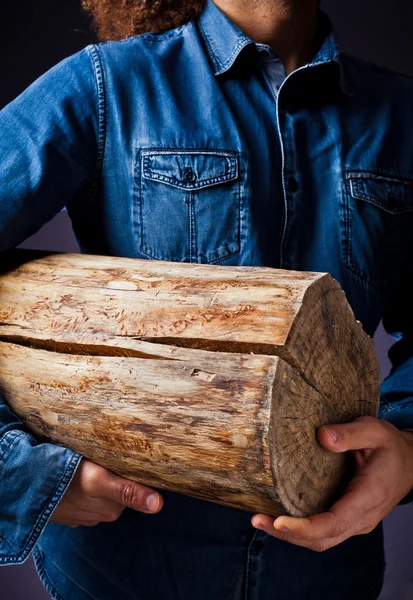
[[36, 35]]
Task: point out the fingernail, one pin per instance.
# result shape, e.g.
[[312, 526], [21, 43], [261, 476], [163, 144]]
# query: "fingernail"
[[259, 526], [282, 528], [152, 502], [331, 434]]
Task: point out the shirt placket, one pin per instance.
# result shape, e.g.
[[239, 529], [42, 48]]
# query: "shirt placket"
[[274, 73]]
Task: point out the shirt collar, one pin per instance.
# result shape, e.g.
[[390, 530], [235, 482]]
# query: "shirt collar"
[[224, 41]]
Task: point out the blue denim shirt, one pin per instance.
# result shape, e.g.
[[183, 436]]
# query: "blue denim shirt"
[[192, 145]]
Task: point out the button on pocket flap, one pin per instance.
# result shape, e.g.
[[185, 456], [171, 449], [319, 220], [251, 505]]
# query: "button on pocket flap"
[[390, 194], [189, 170]]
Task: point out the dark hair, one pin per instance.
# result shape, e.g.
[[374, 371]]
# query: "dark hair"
[[120, 19]]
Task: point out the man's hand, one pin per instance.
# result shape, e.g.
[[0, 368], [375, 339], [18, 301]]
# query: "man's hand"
[[383, 476], [96, 494]]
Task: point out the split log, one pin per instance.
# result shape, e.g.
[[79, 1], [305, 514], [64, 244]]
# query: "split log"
[[204, 380]]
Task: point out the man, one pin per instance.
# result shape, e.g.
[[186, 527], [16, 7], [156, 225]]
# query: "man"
[[133, 137]]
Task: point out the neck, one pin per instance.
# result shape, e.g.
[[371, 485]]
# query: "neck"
[[288, 26]]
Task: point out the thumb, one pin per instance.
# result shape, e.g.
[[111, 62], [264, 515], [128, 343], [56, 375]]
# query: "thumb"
[[364, 432], [131, 494]]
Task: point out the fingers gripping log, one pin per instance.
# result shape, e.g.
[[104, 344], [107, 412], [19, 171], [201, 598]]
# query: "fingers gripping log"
[[205, 380]]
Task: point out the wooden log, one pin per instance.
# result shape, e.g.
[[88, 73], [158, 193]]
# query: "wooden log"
[[205, 380]]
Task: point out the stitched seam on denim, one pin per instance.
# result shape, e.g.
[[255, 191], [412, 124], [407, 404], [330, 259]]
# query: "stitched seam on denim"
[[330, 47], [242, 42], [284, 204], [72, 580], [9, 445], [188, 186], [229, 252], [342, 79], [347, 226], [136, 199], [240, 213], [66, 575], [239, 582], [373, 175], [218, 66], [356, 192], [141, 243], [194, 226], [43, 576], [382, 205], [377, 287], [191, 215], [92, 187], [247, 574], [180, 150], [210, 50], [102, 105], [232, 163], [14, 434], [12, 426], [97, 65], [49, 507]]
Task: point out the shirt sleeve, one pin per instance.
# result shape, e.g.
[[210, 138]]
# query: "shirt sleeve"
[[49, 153], [396, 392], [48, 146]]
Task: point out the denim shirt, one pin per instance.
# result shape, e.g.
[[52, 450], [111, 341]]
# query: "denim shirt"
[[192, 145]]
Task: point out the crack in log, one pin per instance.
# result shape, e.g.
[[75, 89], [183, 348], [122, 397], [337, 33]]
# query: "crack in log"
[[221, 346], [189, 343], [308, 381], [236, 347], [78, 348]]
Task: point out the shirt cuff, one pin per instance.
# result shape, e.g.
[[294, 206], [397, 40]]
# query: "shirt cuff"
[[33, 478]]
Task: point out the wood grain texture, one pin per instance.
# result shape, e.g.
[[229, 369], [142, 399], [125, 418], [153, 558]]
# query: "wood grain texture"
[[204, 380]]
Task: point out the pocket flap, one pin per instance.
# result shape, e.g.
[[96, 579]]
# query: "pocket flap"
[[390, 194], [190, 169]]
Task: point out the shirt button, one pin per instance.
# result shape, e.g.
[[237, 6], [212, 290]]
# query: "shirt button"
[[292, 185], [189, 175]]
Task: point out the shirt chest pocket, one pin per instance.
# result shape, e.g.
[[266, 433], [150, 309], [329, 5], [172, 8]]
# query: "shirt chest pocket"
[[187, 204], [378, 226]]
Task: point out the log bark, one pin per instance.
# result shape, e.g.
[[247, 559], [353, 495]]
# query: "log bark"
[[205, 380]]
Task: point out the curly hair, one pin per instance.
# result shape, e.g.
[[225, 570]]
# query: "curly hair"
[[120, 19]]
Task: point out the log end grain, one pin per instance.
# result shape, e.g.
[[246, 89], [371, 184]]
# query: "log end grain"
[[331, 377]]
